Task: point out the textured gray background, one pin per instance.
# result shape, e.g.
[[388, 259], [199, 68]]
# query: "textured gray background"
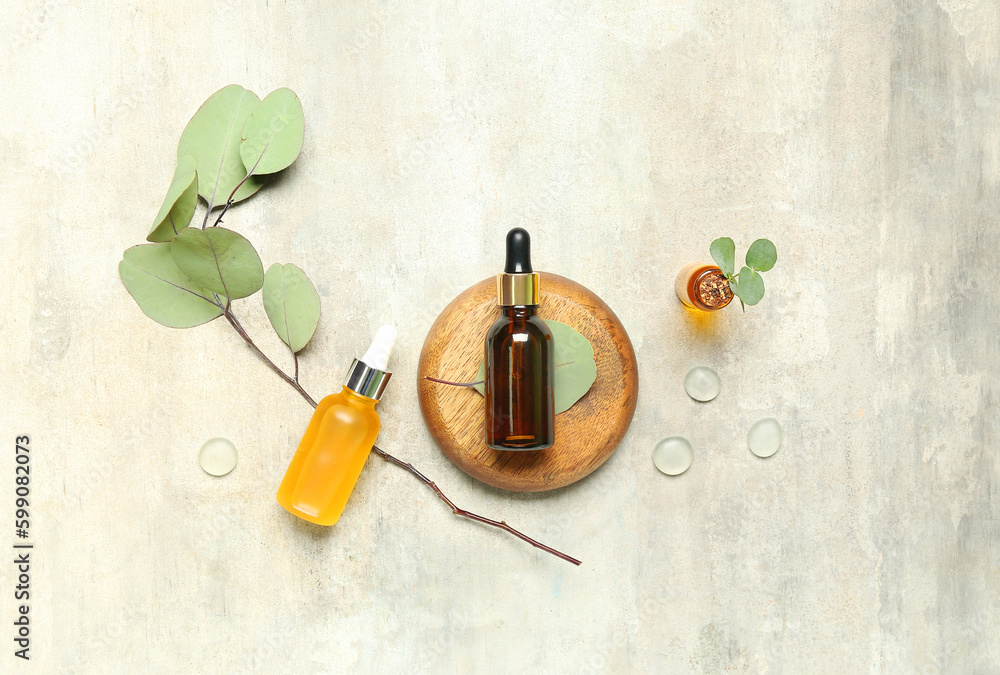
[[862, 137]]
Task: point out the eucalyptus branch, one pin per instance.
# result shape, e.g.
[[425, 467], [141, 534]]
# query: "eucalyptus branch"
[[211, 202], [229, 202], [747, 284], [217, 265], [468, 514], [398, 462], [232, 195], [234, 322]]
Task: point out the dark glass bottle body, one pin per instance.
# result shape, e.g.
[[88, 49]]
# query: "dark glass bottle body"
[[520, 412]]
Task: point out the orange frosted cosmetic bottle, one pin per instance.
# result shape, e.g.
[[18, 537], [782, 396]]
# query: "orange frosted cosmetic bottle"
[[338, 440]]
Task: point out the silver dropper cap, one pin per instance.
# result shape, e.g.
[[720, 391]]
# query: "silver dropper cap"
[[367, 375], [365, 380]]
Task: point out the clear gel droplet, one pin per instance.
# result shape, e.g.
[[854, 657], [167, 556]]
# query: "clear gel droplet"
[[764, 437], [218, 456], [702, 383], [673, 455]]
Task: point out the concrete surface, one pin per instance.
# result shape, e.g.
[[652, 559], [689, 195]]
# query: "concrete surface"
[[862, 137]]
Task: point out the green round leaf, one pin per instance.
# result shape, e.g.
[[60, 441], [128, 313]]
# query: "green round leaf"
[[220, 260], [723, 252], [762, 255], [164, 293], [292, 304], [272, 136], [180, 202], [213, 138], [575, 368], [480, 379], [750, 286]]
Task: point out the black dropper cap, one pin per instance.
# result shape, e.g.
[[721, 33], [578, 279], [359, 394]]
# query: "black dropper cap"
[[518, 252]]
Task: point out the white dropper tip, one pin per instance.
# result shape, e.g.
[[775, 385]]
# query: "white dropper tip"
[[377, 356]]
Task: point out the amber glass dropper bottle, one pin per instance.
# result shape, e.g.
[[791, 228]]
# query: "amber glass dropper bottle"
[[519, 359], [338, 440]]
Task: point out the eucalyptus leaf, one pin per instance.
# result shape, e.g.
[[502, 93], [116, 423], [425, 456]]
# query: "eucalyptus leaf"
[[213, 138], [220, 260], [750, 286], [480, 379], [272, 136], [162, 291], [723, 252], [761, 255], [292, 304], [179, 204], [575, 368]]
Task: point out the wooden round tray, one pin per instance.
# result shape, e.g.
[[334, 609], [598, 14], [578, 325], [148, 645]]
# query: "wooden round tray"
[[586, 434]]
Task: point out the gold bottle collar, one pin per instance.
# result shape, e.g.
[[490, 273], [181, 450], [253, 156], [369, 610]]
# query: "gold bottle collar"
[[517, 289]]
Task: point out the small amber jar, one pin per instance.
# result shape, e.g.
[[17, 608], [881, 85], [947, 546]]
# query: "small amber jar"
[[703, 287]]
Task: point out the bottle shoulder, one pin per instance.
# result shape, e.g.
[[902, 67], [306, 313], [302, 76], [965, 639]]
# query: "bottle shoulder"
[[344, 406], [540, 325], [346, 396], [499, 326], [531, 325]]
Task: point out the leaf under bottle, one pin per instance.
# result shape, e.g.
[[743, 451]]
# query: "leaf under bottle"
[[575, 367]]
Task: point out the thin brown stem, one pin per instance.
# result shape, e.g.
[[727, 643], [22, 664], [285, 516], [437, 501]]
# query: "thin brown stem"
[[229, 202], [468, 514], [295, 357], [234, 322]]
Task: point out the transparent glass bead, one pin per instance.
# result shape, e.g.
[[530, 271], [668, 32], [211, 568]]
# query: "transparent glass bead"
[[702, 383], [764, 437], [218, 456], [673, 455]]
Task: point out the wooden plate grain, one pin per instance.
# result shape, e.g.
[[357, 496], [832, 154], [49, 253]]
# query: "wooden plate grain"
[[586, 434]]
